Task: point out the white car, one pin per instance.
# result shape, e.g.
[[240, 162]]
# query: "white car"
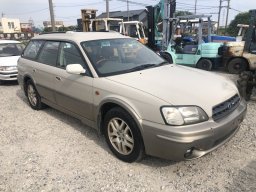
[[140, 102], [10, 52]]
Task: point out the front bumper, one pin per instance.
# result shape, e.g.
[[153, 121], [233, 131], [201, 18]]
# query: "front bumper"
[[191, 141], [8, 75]]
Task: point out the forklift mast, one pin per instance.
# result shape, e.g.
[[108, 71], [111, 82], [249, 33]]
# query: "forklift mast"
[[87, 15], [160, 23]]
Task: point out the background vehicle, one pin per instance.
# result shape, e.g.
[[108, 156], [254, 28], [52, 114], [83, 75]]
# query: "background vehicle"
[[106, 24], [241, 56], [242, 31], [246, 60], [10, 52], [134, 29], [195, 53]]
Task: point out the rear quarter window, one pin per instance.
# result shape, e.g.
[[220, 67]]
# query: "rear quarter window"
[[32, 49]]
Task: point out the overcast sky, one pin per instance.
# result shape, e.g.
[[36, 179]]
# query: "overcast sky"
[[69, 10]]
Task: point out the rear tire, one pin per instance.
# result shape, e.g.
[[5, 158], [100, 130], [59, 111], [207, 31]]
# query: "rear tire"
[[236, 66], [167, 57], [33, 96], [122, 135], [205, 64]]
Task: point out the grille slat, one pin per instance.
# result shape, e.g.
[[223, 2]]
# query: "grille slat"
[[221, 110]]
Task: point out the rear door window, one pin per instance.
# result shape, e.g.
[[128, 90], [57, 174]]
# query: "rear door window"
[[49, 53], [32, 49]]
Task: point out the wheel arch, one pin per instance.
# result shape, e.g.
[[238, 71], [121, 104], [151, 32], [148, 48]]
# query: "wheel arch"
[[25, 80], [109, 104], [167, 56], [243, 58]]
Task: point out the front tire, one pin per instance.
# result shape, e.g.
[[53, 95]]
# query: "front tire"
[[33, 96], [123, 136], [236, 66], [205, 64]]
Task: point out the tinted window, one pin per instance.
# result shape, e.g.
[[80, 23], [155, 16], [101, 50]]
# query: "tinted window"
[[69, 54], [32, 49], [11, 49], [49, 53]]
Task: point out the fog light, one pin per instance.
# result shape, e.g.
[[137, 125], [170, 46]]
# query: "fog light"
[[188, 152]]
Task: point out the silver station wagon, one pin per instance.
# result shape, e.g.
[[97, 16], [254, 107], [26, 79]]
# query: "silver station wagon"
[[138, 101]]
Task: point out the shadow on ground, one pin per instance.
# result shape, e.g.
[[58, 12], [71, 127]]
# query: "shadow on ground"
[[245, 180], [91, 133], [8, 83]]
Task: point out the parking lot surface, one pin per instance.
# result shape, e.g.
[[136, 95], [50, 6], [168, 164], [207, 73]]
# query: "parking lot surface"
[[48, 150]]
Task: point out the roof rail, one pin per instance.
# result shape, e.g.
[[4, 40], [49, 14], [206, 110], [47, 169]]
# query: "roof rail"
[[44, 33]]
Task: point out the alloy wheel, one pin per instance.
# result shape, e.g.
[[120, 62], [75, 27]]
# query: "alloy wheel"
[[32, 95], [120, 136]]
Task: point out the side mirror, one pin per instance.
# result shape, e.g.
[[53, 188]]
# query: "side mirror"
[[76, 69]]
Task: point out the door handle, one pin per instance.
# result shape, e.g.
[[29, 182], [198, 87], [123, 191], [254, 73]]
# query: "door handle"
[[58, 78]]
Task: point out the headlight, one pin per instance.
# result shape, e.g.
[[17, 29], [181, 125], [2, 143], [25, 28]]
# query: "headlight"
[[8, 68], [183, 115]]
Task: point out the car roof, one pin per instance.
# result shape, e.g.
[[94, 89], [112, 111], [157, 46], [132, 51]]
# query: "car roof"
[[8, 41], [80, 36]]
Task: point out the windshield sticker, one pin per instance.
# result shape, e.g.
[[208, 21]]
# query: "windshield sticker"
[[105, 44]]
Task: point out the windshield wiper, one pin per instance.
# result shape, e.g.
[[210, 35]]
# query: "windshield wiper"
[[162, 63], [145, 66]]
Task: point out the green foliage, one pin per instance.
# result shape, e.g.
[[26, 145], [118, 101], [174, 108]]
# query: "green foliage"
[[47, 29], [69, 28], [241, 18]]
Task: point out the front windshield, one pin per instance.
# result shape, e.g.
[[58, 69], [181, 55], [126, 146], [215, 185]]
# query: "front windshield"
[[11, 49], [116, 56]]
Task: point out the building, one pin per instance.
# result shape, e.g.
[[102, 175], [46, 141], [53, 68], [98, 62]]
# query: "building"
[[26, 27], [8, 25], [57, 24]]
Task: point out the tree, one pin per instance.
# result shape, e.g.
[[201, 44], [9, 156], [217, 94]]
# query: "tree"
[[182, 13], [241, 18]]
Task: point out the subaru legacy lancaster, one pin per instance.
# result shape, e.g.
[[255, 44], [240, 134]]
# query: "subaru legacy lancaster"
[[138, 101]]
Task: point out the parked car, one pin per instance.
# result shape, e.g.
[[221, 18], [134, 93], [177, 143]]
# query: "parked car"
[[141, 103], [10, 52]]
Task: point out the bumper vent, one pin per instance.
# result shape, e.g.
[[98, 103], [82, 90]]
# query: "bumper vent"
[[225, 108]]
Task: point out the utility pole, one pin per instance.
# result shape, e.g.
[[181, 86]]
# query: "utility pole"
[[107, 8], [228, 7], [52, 15], [128, 10], [218, 24], [195, 6]]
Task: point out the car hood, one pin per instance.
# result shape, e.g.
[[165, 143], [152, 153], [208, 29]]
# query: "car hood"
[[9, 61], [179, 85]]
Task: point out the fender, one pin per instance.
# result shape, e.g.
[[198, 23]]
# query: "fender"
[[122, 102]]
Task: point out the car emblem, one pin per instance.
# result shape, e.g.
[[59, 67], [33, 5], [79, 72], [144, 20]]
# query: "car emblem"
[[229, 106]]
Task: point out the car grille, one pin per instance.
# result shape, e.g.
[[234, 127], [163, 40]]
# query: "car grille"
[[225, 108]]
